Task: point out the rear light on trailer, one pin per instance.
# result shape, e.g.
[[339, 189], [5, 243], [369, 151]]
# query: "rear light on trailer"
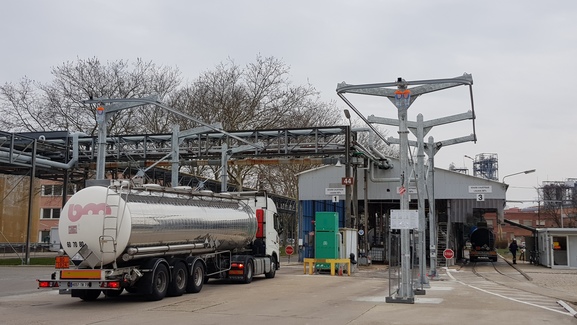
[[47, 284], [110, 285]]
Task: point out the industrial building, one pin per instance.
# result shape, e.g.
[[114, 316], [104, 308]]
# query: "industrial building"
[[461, 201]]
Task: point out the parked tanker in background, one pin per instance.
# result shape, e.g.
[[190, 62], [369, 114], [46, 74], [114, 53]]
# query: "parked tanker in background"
[[482, 244], [160, 241]]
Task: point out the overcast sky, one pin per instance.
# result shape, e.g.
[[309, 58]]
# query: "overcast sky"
[[522, 56]]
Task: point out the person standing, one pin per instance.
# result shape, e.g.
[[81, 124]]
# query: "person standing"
[[522, 252], [513, 249]]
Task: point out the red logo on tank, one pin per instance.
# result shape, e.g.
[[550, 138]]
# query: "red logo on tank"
[[76, 211]]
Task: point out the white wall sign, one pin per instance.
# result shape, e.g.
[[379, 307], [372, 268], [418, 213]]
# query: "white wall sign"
[[480, 189], [404, 219], [334, 191]]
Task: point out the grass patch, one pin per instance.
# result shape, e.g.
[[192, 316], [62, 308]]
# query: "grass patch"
[[33, 261], [503, 252]]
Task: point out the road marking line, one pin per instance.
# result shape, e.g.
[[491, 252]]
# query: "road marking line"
[[508, 298]]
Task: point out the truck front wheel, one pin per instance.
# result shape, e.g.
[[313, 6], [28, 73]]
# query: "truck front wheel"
[[159, 283], [271, 274], [196, 280]]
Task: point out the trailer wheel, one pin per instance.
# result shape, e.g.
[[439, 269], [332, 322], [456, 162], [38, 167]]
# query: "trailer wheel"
[[248, 271], [159, 283], [177, 286], [86, 295], [271, 274], [196, 279]]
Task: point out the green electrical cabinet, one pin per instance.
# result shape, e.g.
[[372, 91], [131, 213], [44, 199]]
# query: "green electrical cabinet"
[[327, 221], [326, 237]]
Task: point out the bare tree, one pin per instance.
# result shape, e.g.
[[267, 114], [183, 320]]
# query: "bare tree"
[[257, 96], [31, 106], [21, 107]]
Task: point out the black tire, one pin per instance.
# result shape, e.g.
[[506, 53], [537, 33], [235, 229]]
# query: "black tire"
[[197, 278], [159, 283], [248, 272], [272, 273], [112, 293], [177, 286], [88, 295]]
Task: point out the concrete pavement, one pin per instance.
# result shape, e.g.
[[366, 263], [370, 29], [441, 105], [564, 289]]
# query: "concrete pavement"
[[553, 282], [291, 298]]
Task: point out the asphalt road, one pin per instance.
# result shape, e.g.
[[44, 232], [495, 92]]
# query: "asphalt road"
[[290, 298], [18, 280]]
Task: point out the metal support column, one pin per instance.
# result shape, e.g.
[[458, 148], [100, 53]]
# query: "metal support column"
[[30, 201], [423, 280], [348, 216], [402, 103], [224, 168], [431, 150], [174, 161]]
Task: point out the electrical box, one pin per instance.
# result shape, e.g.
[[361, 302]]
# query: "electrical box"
[[326, 237], [327, 221]]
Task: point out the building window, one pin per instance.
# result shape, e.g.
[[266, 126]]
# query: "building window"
[[48, 213], [45, 236], [540, 222], [56, 189], [490, 223], [528, 223], [51, 190]]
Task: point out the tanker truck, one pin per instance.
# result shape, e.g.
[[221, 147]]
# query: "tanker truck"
[[482, 244], [157, 241]]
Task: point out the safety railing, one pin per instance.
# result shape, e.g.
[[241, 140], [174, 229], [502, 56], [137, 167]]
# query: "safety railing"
[[310, 264]]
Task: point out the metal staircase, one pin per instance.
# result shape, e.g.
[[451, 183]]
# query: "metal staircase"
[[441, 243]]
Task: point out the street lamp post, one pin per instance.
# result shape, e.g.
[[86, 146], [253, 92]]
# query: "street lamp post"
[[348, 216], [523, 172], [473, 160]]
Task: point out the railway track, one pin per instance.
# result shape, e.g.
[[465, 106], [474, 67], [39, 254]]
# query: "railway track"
[[502, 280], [498, 267]]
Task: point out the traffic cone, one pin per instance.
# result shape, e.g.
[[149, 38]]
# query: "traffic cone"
[[340, 270]]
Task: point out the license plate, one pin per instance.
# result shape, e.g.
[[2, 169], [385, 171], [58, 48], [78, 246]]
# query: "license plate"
[[78, 284]]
